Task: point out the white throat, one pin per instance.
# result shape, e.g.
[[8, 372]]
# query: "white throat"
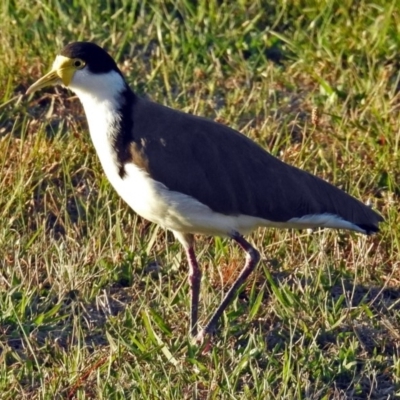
[[100, 95]]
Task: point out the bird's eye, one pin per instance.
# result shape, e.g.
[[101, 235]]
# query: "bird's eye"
[[79, 64]]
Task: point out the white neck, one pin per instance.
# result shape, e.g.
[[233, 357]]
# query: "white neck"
[[100, 95]]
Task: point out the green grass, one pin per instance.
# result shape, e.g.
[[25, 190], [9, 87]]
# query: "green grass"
[[81, 316]]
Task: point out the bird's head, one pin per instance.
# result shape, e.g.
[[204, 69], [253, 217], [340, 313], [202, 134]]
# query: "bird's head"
[[79, 66]]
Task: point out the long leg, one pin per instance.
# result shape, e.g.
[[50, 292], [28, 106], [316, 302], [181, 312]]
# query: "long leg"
[[194, 283], [194, 279], [252, 259]]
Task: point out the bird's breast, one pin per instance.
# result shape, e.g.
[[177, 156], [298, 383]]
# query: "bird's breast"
[[149, 198]]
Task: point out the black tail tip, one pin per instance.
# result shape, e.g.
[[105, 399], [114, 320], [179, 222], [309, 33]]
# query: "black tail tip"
[[372, 227]]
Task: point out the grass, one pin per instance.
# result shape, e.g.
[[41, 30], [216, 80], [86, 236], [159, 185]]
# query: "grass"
[[82, 316]]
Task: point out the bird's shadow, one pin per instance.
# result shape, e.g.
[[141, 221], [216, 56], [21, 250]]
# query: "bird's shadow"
[[117, 298], [374, 336], [367, 316]]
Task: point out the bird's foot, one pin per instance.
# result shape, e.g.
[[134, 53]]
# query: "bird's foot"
[[199, 338], [203, 339]]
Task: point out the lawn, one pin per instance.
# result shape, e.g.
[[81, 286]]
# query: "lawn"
[[94, 301]]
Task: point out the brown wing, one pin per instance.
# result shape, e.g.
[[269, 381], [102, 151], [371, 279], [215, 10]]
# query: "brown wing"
[[230, 173]]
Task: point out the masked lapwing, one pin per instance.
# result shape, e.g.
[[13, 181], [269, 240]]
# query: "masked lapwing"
[[192, 175]]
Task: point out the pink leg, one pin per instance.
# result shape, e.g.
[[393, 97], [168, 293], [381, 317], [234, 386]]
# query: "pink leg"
[[194, 283], [252, 259]]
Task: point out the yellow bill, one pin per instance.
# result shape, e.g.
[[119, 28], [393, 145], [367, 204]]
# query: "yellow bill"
[[61, 73]]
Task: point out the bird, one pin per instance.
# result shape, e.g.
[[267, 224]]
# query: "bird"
[[192, 175]]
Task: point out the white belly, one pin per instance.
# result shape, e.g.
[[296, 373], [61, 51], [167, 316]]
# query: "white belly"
[[175, 211], [181, 213]]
